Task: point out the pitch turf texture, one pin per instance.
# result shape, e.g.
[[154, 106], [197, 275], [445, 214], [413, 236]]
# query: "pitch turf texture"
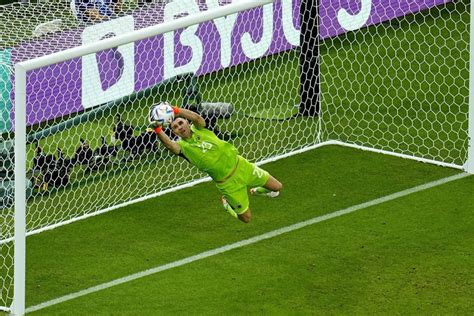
[[409, 255]]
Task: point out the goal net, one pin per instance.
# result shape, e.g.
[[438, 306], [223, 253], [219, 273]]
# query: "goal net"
[[402, 84], [389, 76]]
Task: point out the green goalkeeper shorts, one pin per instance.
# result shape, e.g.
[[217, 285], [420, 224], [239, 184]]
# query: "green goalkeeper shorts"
[[234, 189]]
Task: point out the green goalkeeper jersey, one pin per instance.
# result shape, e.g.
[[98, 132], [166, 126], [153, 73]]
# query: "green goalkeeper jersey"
[[209, 153]]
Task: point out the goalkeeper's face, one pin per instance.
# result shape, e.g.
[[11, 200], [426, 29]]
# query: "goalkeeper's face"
[[181, 127]]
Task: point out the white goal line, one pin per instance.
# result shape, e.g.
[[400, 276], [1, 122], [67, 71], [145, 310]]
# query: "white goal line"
[[245, 242]]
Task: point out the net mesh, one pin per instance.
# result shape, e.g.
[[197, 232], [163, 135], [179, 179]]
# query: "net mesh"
[[393, 78], [402, 85], [6, 187], [54, 21]]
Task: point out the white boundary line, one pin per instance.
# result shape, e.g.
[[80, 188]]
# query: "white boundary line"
[[245, 242]]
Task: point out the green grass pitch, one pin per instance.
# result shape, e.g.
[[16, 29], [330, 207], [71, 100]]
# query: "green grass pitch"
[[410, 255]]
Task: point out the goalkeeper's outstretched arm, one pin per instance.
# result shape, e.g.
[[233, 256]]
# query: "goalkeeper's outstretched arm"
[[167, 142]]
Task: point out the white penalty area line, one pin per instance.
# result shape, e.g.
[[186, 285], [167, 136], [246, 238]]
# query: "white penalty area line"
[[245, 242]]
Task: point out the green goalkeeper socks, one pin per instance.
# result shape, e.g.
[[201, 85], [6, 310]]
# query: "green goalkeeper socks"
[[228, 208], [264, 191], [261, 191]]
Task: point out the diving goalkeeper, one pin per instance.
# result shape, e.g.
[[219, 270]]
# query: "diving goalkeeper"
[[231, 173]]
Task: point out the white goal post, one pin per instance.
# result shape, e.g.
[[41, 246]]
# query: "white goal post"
[[469, 167], [323, 126]]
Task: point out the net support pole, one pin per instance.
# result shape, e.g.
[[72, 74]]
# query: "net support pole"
[[470, 150], [309, 58], [18, 306]]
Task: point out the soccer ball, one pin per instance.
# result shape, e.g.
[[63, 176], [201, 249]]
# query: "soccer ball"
[[162, 113]]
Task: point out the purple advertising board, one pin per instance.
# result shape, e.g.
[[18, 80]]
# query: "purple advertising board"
[[81, 83]]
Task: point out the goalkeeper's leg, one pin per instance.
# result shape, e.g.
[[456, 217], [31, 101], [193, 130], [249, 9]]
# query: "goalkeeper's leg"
[[237, 204], [229, 209], [244, 217], [271, 188]]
